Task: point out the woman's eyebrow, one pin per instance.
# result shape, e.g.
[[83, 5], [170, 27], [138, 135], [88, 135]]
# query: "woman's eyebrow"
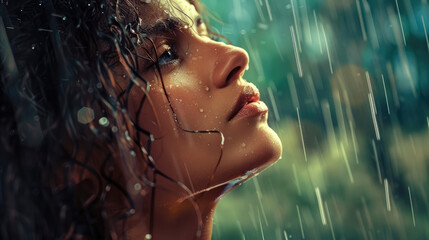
[[164, 25]]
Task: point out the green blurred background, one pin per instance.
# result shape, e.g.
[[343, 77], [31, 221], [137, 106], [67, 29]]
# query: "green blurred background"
[[347, 84]]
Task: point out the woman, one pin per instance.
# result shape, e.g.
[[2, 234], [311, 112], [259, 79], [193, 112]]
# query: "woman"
[[122, 120]]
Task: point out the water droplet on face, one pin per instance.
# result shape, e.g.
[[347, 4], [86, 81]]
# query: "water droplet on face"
[[148, 236], [207, 89], [205, 116], [197, 50], [201, 110], [243, 145], [216, 63], [33, 46], [103, 122]]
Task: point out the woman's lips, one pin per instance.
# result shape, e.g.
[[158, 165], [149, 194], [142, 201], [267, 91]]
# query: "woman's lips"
[[248, 104], [252, 109]]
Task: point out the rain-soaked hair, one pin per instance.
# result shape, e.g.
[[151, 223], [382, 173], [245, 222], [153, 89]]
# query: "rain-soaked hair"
[[66, 135]]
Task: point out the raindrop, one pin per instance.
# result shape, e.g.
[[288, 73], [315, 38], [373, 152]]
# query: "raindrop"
[[103, 122], [85, 115], [114, 129], [137, 186]]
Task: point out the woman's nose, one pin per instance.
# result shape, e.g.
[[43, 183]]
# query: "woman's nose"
[[230, 64]]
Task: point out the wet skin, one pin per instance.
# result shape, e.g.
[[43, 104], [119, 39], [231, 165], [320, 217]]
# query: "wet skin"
[[203, 80]]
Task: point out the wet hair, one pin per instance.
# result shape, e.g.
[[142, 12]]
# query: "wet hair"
[[66, 134]]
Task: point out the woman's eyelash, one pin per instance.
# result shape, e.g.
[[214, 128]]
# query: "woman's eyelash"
[[168, 56]]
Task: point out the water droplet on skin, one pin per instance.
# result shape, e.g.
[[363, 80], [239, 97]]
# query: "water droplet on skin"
[[133, 153], [201, 110], [123, 76], [205, 116], [148, 236], [33, 46], [216, 63], [207, 89], [197, 50], [103, 122], [177, 85], [243, 145]]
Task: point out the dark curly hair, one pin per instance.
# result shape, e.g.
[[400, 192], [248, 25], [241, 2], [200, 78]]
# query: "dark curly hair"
[[61, 121]]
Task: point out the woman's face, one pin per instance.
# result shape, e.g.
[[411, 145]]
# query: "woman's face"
[[203, 81]]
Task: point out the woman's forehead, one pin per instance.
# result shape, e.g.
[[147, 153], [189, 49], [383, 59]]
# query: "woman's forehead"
[[153, 11]]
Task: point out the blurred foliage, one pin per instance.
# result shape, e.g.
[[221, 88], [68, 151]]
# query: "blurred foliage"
[[347, 84]]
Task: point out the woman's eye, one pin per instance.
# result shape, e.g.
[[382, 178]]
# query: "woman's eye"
[[167, 57]]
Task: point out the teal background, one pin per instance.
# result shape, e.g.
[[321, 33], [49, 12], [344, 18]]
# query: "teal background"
[[352, 114]]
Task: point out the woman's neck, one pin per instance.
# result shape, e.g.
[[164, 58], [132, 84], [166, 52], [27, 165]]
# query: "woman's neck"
[[191, 219]]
